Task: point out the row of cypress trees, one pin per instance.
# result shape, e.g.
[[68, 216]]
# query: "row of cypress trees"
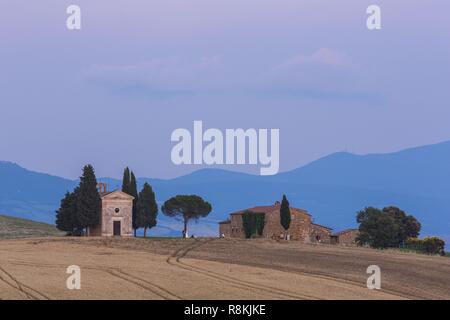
[[80, 209], [145, 208]]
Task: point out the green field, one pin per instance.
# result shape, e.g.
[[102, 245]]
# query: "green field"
[[11, 227]]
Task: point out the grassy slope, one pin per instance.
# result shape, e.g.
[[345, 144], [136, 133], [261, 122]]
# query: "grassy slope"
[[11, 227]]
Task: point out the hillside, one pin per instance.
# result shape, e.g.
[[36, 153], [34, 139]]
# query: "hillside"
[[12, 227]]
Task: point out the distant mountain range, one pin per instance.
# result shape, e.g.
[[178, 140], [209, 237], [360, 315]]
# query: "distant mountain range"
[[332, 189]]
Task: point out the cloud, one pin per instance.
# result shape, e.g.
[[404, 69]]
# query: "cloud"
[[323, 56], [325, 74], [170, 75]]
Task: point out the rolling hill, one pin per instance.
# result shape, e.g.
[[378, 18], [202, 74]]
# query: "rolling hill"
[[13, 227], [332, 188]]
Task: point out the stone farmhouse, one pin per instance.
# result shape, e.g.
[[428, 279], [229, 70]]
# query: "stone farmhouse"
[[301, 228], [116, 214]]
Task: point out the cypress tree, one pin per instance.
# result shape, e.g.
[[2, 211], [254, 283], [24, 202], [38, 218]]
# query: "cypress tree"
[[134, 193], [147, 209], [65, 215], [88, 199], [285, 213], [126, 181]]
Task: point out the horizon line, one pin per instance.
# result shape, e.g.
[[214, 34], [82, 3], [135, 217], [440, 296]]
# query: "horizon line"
[[217, 167]]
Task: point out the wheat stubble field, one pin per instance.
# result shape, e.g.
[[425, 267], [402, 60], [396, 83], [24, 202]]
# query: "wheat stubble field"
[[210, 268]]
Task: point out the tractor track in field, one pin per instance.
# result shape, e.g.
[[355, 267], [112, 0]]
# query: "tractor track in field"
[[144, 284], [352, 282], [182, 252], [318, 273], [175, 260], [26, 290], [117, 273]]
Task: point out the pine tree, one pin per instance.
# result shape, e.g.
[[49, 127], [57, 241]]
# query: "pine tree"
[[285, 213], [65, 215], [88, 200], [126, 181], [188, 207], [147, 209], [134, 193]]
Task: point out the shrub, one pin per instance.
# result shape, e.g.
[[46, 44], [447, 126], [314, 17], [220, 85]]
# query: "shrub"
[[434, 245], [253, 223], [415, 244], [430, 245]]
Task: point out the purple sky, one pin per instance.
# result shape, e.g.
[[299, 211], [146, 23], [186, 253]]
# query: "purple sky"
[[112, 93]]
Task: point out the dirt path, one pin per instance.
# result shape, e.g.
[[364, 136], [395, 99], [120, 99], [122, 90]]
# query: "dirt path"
[[210, 269]]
